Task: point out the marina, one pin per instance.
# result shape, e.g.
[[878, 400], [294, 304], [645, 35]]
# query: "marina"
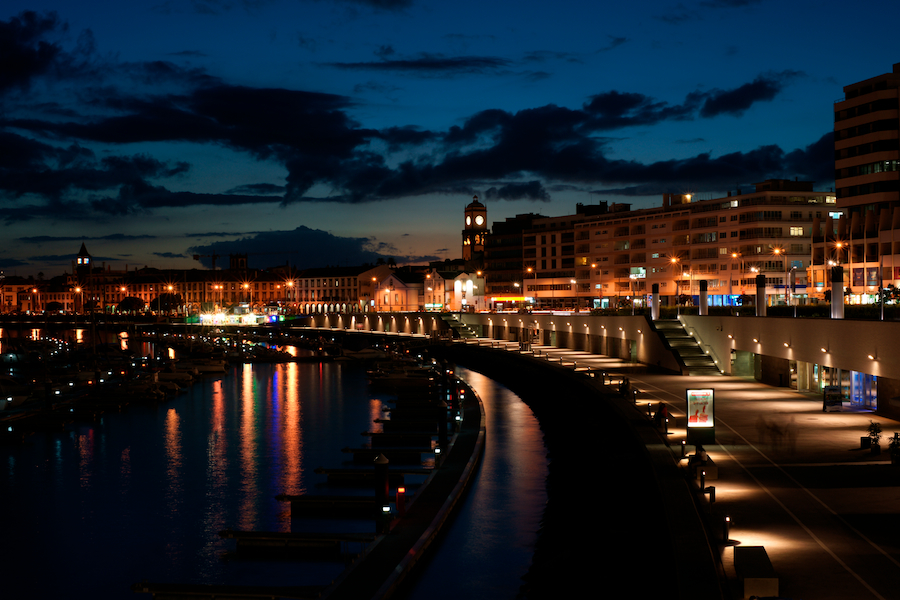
[[182, 491]]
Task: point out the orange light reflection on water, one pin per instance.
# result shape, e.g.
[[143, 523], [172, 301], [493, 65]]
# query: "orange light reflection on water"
[[376, 411], [217, 456], [174, 459], [85, 444], [291, 433], [248, 450]]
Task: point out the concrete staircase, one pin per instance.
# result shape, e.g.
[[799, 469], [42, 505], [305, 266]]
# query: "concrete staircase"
[[462, 330], [688, 350]]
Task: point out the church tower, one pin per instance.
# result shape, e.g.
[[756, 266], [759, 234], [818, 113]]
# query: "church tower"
[[83, 263], [475, 231], [83, 270]]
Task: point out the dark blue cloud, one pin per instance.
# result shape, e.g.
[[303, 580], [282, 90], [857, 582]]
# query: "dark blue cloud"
[[430, 65], [25, 50], [736, 101]]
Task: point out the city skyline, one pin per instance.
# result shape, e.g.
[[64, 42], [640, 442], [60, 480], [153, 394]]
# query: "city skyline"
[[339, 132]]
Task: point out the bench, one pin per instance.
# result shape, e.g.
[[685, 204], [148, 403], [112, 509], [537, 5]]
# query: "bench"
[[753, 567]]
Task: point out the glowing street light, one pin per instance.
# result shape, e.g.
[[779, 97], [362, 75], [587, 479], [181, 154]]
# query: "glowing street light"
[[675, 260]]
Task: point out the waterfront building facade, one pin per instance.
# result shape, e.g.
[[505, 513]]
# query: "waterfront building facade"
[[548, 254], [725, 242], [504, 263]]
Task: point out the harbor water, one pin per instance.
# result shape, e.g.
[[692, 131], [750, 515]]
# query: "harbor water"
[[142, 494]]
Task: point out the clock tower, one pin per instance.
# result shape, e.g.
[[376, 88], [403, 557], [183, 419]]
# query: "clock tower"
[[475, 231]]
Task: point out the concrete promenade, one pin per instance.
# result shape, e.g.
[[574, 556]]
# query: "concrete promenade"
[[791, 477]]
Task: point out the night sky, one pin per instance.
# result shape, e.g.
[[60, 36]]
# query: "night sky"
[[334, 132]]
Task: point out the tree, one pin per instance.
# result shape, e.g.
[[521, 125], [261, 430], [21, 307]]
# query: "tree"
[[166, 303], [131, 304]]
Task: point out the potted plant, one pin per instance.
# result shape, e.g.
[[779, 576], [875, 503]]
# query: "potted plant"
[[874, 434], [894, 449]]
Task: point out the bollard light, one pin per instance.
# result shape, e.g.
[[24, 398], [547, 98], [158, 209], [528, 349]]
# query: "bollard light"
[[400, 501], [726, 529], [702, 479], [683, 448]]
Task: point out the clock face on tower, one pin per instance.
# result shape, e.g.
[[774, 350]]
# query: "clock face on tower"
[[479, 220], [468, 220]]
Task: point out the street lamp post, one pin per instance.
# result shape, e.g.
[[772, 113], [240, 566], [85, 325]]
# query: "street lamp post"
[[781, 252], [690, 276], [792, 278], [575, 290], [675, 260], [632, 277], [533, 270], [246, 287], [599, 283], [840, 245], [735, 255]]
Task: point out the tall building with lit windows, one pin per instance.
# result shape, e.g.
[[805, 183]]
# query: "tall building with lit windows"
[[865, 240], [867, 144]]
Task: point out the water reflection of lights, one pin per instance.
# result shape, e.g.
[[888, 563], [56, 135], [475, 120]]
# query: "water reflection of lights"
[[174, 491], [248, 448]]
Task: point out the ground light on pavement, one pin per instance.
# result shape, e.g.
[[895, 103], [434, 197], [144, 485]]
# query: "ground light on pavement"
[[792, 478]]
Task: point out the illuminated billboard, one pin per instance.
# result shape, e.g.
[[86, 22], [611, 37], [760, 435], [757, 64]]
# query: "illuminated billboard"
[[701, 420]]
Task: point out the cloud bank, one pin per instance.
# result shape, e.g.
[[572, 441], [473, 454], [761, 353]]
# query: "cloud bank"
[[48, 165]]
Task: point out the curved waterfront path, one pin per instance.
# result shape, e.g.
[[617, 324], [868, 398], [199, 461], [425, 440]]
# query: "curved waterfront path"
[[618, 508], [492, 537]]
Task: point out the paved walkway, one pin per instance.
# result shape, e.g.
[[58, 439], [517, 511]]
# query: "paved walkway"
[[793, 479]]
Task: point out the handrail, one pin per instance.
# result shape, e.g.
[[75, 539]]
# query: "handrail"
[[708, 349], [712, 353]]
